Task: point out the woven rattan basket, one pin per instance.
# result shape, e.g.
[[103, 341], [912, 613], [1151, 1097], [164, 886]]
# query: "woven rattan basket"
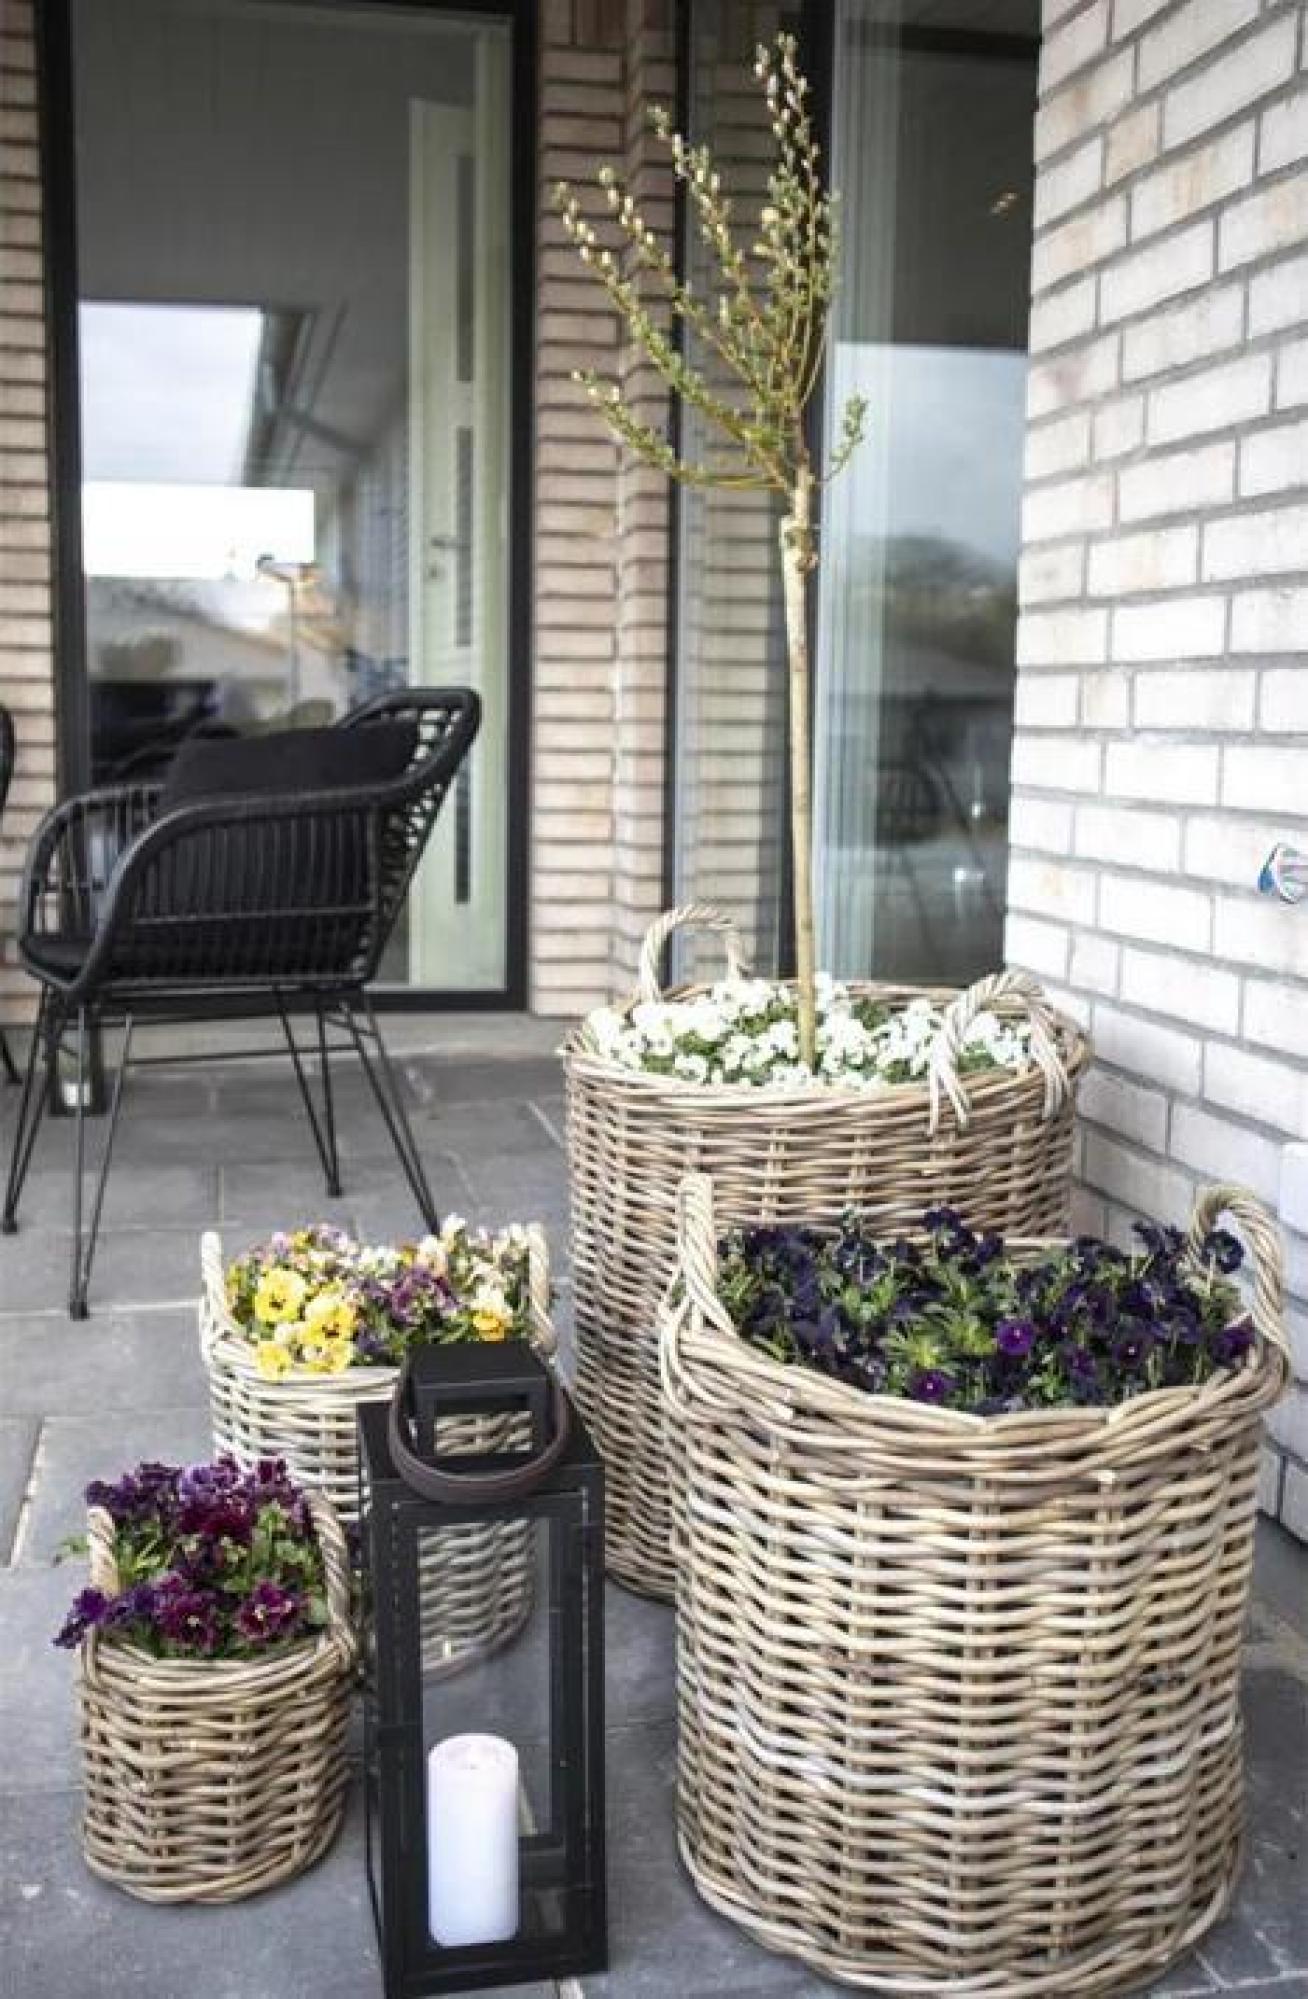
[[995, 1145], [477, 1580], [209, 1780], [959, 1696]]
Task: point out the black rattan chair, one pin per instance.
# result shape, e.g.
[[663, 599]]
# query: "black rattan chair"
[[8, 757], [133, 910]]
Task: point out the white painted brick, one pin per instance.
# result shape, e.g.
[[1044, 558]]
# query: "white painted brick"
[[1074, 637], [1175, 482], [1180, 188], [1270, 620], [1181, 263], [1069, 48], [1180, 628], [1072, 506], [1128, 1109], [1128, 15], [1226, 847], [1278, 296], [1129, 838], [1189, 332], [1081, 375], [1061, 446], [1158, 559], [1288, 1423], [1144, 1185], [1296, 1318], [1089, 101], [1050, 888], [1044, 824], [1067, 182], [1276, 1016], [1175, 773], [1119, 427], [1247, 930], [1106, 700], [1202, 993], [1270, 1464], [1283, 133], [1095, 962], [1132, 142], [1073, 246], [1062, 315], [1255, 1086], [1167, 1056], [1292, 1199], [1292, 375], [1036, 946], [1188, 33], [1243, 74], [1056, 763], [1050, 571], [1294, 1500], [1224, 1150], [1134, 906], [1275, 218], [1046, 701], [1258, 544], [1232, 393], [1261, 778], [1195, 698], [1283, 699], [1272, 461]]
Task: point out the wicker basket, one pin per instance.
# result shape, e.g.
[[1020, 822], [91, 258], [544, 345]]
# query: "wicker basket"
[[477, 1580], [997, 1145], [209, 1780], [959, 1696]]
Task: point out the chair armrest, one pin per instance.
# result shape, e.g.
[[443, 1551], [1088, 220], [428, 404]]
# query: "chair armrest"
[[73, 854]]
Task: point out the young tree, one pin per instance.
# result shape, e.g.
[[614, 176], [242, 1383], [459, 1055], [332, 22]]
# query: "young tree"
[[763, 315]]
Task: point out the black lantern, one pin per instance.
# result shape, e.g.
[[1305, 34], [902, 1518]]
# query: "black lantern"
[[483, 1534]]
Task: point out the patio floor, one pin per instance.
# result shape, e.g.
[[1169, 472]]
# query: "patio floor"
[[228, 1146]]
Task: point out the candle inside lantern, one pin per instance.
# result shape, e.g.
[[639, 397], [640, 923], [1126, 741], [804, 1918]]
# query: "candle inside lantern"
[[472, 1840]]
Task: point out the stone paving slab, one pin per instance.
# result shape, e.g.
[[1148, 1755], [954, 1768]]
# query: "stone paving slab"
[[76, 1449], [38, 1723], [18, 1436], [143, 1197], [107, 1363], [147, 1266]]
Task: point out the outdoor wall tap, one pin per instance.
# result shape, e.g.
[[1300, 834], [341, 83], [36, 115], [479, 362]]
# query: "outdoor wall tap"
[[1285, 873]]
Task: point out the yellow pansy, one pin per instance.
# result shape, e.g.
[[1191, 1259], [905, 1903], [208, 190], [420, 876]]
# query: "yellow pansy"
[[331, 1313], [491, 1318], [272, 1361], [279, 1296]]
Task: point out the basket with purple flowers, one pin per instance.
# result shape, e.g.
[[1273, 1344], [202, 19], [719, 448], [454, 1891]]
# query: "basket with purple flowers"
[[963, 1536], [299, 1331], [216, 1655]]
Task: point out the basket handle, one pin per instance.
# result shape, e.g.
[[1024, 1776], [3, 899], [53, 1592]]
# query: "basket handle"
[[1018, 996], [541, 1331], [687, 916], [1262, 1239], [101, 1538], [214, 1309], [337, 1575], [697, 1240]]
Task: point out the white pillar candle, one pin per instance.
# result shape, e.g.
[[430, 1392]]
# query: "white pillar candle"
[[472, 1840]]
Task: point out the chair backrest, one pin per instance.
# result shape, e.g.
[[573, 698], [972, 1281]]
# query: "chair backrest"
[[250, 890]]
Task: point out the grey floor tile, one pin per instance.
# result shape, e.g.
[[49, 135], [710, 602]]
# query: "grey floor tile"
[[1281, 1575], [38, 1723], [384, 1206], [504, 1124], [532, 1185], [137, 1196], [17, 1443], [101, 1364], [76, 1449], [132, 1266], [640, 1657], [444, 1080]]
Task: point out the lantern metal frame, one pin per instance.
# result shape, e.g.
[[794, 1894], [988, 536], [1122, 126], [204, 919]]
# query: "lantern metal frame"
[[566, 1859]]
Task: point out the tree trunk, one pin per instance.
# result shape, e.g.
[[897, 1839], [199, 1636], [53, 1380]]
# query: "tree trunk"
[[797, 560]]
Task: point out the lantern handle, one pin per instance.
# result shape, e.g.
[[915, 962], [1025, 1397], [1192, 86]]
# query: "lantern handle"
[[453, 1488]]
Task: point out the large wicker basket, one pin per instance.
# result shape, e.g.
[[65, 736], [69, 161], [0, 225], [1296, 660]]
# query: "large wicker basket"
[[959, 1696], [209, 1780], [477, 1579], [996, 1145]]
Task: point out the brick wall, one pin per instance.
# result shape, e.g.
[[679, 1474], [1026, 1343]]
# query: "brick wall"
[[26, 670], [1162, 702]]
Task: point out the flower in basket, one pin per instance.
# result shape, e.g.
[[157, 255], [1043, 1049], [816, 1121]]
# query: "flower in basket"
[[746, 1031], [954, 1320], [213, 1562], [317, 1302]]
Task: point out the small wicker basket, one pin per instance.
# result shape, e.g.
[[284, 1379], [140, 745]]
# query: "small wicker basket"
[[209, 1780], [477, 1579], [959, 1696], [995, 1144]]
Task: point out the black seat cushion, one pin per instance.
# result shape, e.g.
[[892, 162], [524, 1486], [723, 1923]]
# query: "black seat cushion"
[[288, 761]]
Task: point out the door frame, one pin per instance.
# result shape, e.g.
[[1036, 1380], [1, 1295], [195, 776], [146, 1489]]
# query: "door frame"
[[54, 40]]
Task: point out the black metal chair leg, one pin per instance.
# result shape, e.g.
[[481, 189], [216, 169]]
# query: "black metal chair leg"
[[84, 1241], [324, 1128], [31, 1110], [7, 1062], [390, 1102]]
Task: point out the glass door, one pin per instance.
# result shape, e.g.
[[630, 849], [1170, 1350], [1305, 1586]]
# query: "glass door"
[[293, 227]]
